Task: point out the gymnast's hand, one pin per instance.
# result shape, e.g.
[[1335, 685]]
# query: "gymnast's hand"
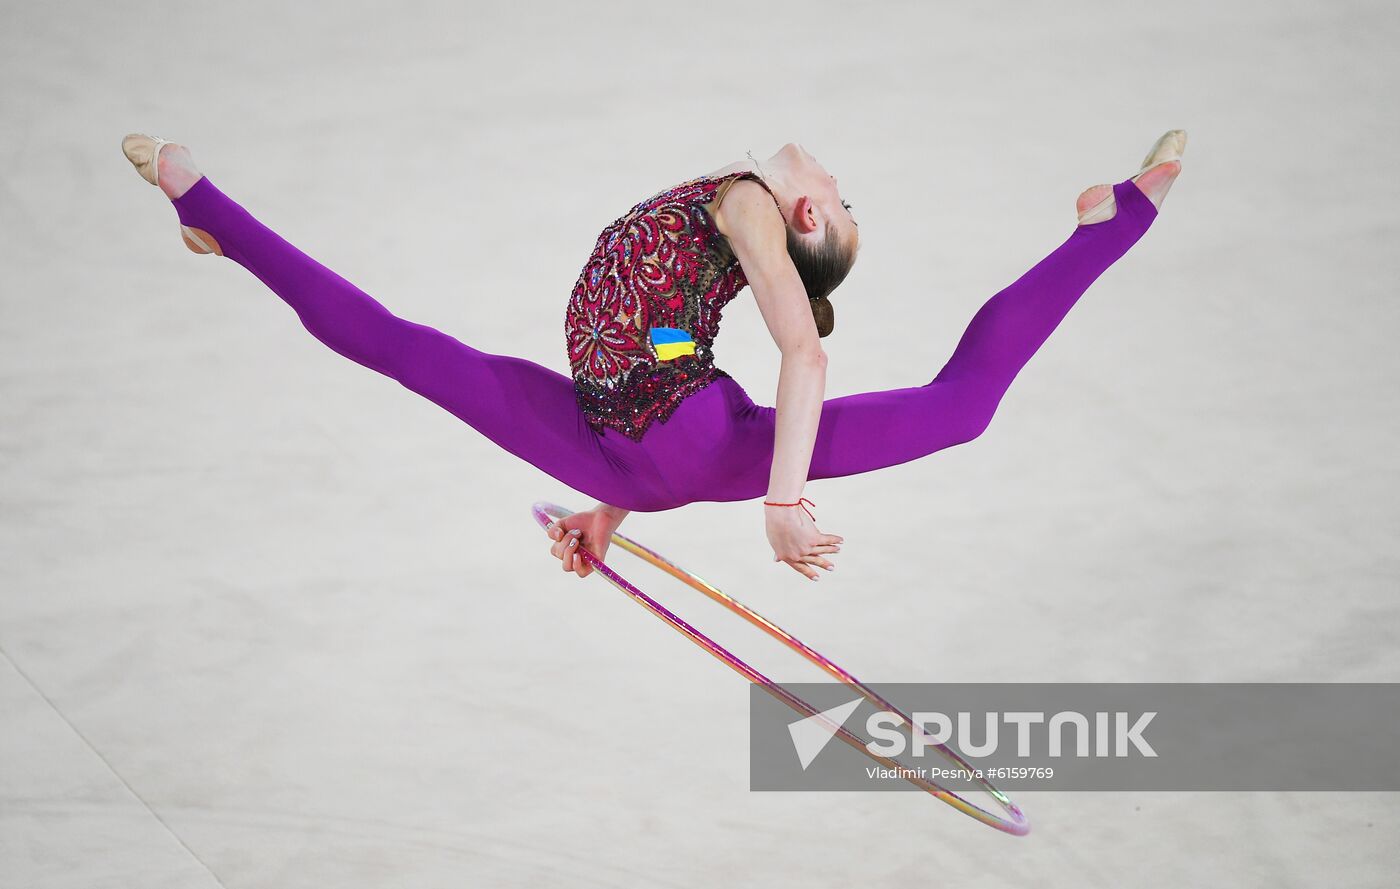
[[591, 528], [796, 540]]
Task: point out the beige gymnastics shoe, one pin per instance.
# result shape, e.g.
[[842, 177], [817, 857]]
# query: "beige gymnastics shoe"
[[144, 153], [1096, 204]]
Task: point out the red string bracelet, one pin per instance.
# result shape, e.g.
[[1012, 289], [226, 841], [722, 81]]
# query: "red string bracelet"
[[797, 503]]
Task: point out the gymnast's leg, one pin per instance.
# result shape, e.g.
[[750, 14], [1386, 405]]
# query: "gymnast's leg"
[[873, 430], [527, 409]]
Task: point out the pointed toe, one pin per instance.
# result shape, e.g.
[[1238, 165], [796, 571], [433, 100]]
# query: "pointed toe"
[[144, 151], [1169, 146], [1159, 169]]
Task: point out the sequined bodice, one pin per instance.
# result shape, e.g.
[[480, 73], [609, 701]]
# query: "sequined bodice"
[[642, 319]]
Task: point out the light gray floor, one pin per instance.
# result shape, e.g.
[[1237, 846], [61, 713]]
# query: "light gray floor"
[[268, 619]]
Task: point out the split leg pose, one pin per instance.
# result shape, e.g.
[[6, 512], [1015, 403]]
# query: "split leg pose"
[[719, 444]]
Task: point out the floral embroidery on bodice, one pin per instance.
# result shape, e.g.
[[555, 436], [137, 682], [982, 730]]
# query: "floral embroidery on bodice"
[[642, 320]]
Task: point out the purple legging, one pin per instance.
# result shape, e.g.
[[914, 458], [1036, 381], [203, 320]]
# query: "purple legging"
[[718, 445]]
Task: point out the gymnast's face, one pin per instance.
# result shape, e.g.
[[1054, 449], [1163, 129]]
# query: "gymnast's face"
[[817, 203]]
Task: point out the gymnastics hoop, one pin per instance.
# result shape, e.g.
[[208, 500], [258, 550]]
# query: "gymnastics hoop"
[[1016, 824]]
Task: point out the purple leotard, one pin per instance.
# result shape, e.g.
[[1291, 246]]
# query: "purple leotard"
[[716, 444]]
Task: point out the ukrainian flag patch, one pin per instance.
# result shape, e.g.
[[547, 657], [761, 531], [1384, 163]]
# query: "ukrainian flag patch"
[[671, 343]]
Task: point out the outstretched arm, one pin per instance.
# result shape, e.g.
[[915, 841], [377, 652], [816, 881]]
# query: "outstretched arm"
[[759, 238]]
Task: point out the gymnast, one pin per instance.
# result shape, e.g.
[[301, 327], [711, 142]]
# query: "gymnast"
[[648, 421]]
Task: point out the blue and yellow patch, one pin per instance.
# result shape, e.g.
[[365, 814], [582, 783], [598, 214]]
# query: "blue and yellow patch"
[[671, 343]]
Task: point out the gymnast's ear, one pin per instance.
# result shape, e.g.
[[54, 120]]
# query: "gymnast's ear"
[[804, 215]]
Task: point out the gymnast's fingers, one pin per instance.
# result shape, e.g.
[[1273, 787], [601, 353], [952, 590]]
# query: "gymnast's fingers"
[[581, 565], [585, 567], [561, 540], [818, 560], [566, 557], [555, 530], [802, 568], [559, 527], [570, 547], [560, 548]]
